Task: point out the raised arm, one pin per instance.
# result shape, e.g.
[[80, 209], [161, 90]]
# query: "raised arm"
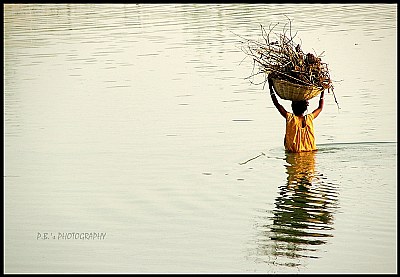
[[320, 106], [280, 108]]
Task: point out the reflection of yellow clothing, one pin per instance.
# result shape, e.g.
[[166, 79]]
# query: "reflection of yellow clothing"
[[300, 168], [298, 138]]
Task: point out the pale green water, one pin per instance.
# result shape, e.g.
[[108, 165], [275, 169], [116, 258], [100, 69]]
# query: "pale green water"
[[136, 121]]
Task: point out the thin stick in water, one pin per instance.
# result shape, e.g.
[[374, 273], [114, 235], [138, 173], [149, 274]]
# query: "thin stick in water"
[[262, 154]]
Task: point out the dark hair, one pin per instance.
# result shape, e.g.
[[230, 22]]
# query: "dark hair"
[[299, 107]]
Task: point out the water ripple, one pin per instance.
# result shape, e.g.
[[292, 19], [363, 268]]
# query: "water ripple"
[[303, 215]]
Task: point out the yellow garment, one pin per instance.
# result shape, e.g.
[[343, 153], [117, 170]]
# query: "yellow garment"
[[298, 138]]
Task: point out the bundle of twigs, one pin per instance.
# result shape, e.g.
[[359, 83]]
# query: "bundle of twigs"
[[283, 59]]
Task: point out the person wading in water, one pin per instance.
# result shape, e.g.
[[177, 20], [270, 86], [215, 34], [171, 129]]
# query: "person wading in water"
[[299, 136]]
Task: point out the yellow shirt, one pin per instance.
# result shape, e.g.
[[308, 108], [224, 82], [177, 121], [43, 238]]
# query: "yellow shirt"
[[298, 138]]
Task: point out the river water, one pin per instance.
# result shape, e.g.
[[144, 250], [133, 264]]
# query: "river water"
[[135, 143]]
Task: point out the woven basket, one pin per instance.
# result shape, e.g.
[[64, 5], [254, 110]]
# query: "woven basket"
[[294, 92]]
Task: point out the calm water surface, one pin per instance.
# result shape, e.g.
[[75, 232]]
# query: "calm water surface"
[[137, 121]]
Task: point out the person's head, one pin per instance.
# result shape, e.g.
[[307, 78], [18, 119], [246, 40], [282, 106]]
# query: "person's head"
[[299, 107]]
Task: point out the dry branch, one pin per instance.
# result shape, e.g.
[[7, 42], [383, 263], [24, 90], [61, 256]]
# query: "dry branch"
[[285, 60]]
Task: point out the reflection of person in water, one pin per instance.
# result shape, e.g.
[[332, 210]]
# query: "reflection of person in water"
[[302, 217], [300, 169]]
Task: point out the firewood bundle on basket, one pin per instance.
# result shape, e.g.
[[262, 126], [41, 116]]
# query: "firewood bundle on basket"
[[295, 75]]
